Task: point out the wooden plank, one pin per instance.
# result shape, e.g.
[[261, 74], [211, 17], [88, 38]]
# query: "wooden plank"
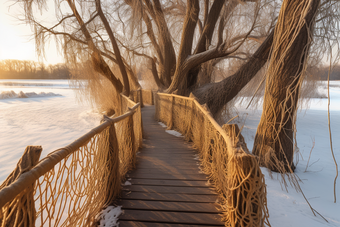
[[168, 206], [147, 147], [183, 183], [165, 143], [170, 155], [169, 197], [152, 149], [167, 188], [141, 165], [169, 170], [170, 189], [152, 224], [168, 158], [172, 217], [167, 155], [167, 176], [167, 162], [162, 144]]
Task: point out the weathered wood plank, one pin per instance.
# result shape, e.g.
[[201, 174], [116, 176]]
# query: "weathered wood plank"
[[183, 183], [168, 159], [169, 189], [167, 162], [169, 171], [141, 165], [153, 224], [172, 217], [167, 155], [168, 206], [168, 176], [169, 197]]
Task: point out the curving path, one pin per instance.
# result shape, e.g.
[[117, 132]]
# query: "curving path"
[[167, 188]]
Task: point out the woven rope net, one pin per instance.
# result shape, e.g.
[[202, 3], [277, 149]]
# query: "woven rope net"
[[233, 172], [73, 184]]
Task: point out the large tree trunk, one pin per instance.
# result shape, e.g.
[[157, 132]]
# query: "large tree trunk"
[[168, 65], [206, 37], [292, 39], [185, 50], [217, 95]]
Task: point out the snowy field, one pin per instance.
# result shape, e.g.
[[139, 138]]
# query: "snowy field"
[[46, 112], [39, 112]]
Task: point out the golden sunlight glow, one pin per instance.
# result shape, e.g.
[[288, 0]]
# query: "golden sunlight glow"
[[16, 40]]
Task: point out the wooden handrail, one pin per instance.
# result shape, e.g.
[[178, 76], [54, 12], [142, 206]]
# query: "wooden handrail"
[[224, 134], [176, 96], [46, 164]]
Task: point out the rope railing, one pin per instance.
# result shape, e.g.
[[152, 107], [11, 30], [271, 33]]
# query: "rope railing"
[[71, 185], [224, 157]]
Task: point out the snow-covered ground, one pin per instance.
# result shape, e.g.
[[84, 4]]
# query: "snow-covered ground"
[[46, 112], [317, 180], [39, 112]]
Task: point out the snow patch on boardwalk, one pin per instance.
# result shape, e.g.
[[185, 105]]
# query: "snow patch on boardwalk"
[[162, 124], [109, 216], [171, 132], [174, 133]]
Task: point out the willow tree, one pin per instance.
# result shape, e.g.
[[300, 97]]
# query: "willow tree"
[[179, 39], [274, 141], [84, 34], [182, 39]]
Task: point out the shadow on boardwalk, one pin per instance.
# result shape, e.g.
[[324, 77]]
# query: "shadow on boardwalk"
[[167, 187]]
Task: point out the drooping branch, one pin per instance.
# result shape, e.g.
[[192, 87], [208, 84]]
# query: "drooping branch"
[[98, 62]]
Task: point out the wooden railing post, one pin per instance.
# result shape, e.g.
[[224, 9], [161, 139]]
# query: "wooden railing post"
[[131, 135], [170, 121], [114, 181], [152, 97], [157, 107], [21, 212], [141, 98]]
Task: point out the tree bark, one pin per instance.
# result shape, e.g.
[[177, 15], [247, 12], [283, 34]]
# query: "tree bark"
[[98, 62], [210, 21], [167, 67], [217, 95], [189, 26], [126, 88], [274, 141], [209, 26], [154, 72]]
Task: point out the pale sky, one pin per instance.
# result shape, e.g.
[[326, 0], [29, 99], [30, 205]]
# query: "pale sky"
[[16, 38]]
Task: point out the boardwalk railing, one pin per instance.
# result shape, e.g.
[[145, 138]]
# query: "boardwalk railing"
[[143, 96], [72, 184], [232, 170]]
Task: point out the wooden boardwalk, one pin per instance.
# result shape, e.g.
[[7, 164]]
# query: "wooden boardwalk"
[[167, 188]]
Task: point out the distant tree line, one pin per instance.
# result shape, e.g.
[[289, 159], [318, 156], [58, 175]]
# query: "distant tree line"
[[322, 73], [23, 69]]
